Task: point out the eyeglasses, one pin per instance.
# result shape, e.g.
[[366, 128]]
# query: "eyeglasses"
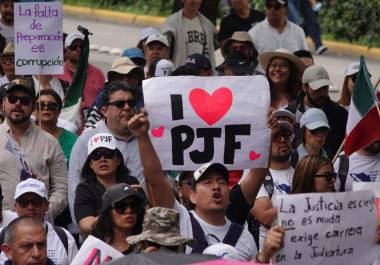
[[6, 59], [106, 153], [279, 65], [321, 130], [121, 103], [52, 106], [276, 6], [36, 202], [25, 100], [74, 47], [121, 206], [277, 137], [328, 175]]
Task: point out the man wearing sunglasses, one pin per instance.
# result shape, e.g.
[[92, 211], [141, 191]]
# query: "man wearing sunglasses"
[[276, 31], [29, 151], [31, 200], [95, 77], [315, 94]]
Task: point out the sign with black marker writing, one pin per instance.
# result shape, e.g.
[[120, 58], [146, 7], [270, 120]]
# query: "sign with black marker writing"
[[328, 228], [38, 38], [195, 120]]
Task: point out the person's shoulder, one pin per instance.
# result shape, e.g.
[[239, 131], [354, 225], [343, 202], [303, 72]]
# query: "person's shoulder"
[[41, 134], [260, 26], [338, 109], [173, 17]]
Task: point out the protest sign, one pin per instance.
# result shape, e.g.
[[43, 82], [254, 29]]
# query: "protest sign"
[[38, 38], [373, 186], [195, 120], [323, 228], [95, 251]]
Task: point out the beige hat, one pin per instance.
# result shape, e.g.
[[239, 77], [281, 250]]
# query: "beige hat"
[[266, 57], [124, 65], [316, 77], [241, 36], [9, 49]]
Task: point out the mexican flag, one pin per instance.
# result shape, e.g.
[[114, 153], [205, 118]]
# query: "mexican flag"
[[363, 125], [71, 110]]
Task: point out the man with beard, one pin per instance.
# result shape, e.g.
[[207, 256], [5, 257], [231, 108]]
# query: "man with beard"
[[7, 20], [27, 151], [278, 181], [315, 94], [361, 166]]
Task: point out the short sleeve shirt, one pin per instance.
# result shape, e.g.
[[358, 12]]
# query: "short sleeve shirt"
[[195, 36]]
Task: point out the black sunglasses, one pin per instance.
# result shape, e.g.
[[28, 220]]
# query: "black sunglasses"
[[52, 106], [276, 6], [277, 137], [328, 175], [320, 130], [36, 202], [121, 206], [73, 47], [121, 103], [106, 153], [24, 100]]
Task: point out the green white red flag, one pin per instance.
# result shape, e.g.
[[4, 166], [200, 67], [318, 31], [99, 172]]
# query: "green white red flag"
[[363, 125]]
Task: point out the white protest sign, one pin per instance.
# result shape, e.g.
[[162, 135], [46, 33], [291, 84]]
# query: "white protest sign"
[[94, 251], [38, 38], [324, 228], [373, 186], [195, 120]]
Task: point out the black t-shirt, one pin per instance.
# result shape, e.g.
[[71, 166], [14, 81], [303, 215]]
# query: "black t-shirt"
[[88, 198], [232, 22]]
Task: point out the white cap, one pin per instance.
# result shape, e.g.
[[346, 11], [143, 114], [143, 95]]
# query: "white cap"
[[105, 140], [316, 77], [210, 167], [73, 36], [123, 65], [146, 32], [223, 251], [284, 112], [164, 68], [314, 118], [31, 185], [352, 68], [157, 37]]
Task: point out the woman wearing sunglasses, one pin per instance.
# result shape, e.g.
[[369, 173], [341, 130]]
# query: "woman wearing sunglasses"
[[103, 169], [121, 216], [48, 108]]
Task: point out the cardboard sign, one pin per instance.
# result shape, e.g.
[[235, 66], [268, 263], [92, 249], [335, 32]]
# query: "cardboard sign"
[[373, 186], [324, 228], [195, 120], [38, 38], [94, 251]]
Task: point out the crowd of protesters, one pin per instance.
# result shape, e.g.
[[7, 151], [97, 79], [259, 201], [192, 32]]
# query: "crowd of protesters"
[[98, 174]]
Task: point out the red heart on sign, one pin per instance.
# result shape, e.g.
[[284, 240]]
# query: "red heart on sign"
[[159, 132], [96, 139], [211, 108], [253, 155]]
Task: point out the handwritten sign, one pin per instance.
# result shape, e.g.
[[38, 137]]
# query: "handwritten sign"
[[195, 120], [373, 186], [328, 228], [94, 251], [38, 38]]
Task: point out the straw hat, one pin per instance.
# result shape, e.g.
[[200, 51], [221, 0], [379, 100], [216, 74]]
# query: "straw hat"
[[266, 57]]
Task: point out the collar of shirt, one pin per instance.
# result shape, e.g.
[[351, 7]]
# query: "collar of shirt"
[[30, 129]]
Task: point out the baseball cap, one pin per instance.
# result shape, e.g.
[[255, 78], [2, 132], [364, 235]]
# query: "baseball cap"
[[283, 112], [285, 126], [158, 38], [105, 140], [24, 83], [208, 167], [238, 63], [314, 118], [124, 65], [352, 68], [222, 251], [31, 185], [161, 67], [198, 60], [135, 54], [239, 36], [117, 193], [282, 2], [146, 32], [73, 36], [316, 77]]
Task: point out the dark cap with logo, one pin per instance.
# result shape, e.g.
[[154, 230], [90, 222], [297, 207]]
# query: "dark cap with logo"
[[198, 60], [239, 63], [24, 83]]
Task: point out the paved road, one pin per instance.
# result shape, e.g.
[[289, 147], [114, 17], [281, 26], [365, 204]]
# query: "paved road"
[[126, 36]]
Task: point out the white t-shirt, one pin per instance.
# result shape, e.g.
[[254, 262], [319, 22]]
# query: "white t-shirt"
[[195, 36], [7, 32], [245, 246], [361, 168], [282, 182]]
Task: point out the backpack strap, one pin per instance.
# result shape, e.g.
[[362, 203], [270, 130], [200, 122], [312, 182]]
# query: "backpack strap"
[[198, 235], [269, 184], [233, 234], [63, 237], [344, 164]]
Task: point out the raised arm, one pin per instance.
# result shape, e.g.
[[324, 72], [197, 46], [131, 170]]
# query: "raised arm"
[[160, 191]]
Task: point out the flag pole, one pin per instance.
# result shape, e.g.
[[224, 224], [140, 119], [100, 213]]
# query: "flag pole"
[[338, 152]]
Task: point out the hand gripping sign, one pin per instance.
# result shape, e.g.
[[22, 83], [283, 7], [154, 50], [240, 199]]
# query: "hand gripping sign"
[[195, 120]]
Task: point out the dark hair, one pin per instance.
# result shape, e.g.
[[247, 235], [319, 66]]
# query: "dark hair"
[[304, 54], [122, 172], [103, 228], [294, 83], [307, 167], [23, 220], [51, 92], [114, 86], [345, 96]]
